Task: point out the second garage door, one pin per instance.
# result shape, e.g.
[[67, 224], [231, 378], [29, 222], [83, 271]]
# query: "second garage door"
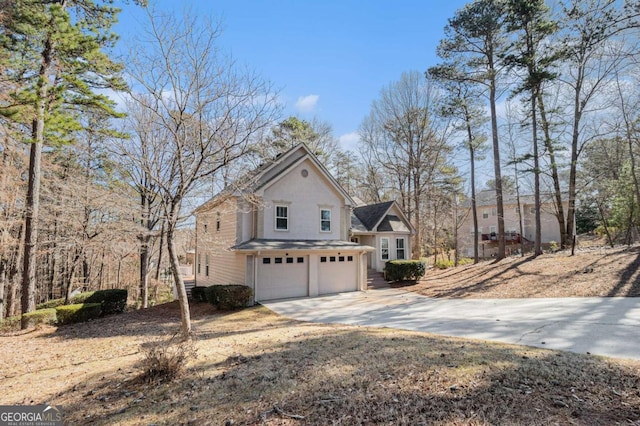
[[337, 274], [282, 277]]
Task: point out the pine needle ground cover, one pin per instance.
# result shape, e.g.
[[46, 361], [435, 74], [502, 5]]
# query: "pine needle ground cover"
[[254, 367]]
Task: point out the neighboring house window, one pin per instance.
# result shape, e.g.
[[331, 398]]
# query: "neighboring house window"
[[325, 220], [218, 221], [206, 265], [494, 211], [400, 248], [355, 240], [282, 218], [384, 248], [492, 229], [205, 228], [485, 214], [517, 209], [533, 210], [199, 260]]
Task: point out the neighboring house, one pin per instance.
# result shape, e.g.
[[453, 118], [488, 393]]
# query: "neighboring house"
[[488, 223], [286, 232]]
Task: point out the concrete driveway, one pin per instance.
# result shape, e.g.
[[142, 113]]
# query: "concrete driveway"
[[603, 326]]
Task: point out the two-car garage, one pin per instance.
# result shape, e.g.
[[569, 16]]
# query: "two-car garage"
[[282, 275]]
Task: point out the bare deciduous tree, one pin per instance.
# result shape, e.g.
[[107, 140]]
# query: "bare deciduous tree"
[[207, 113]]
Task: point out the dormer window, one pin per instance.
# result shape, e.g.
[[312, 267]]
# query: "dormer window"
[[282, 218]]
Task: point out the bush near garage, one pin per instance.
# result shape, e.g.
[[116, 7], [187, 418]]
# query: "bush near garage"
[[404, 270], [227, 297], [79, 312], [197, 294]]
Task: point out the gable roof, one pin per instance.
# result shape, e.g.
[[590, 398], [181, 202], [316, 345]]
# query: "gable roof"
[[369, 216], [267, 173], [377, 217]]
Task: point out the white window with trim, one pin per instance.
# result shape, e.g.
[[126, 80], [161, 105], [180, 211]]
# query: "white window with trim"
[[485, 214], [325, 220], [282, 218], [206, 265], [384, 248], [400, 252]]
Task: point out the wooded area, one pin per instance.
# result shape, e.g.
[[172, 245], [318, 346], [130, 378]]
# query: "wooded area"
[[90, 191]]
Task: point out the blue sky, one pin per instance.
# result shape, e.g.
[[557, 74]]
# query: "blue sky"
[[329, 58]]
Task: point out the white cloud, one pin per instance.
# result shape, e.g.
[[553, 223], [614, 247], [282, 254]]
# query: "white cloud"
[[349, 140], [307, 103]]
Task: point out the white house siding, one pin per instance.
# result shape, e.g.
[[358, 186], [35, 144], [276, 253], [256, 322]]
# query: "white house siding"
[[304, 197], [377, 262], [225, 267]]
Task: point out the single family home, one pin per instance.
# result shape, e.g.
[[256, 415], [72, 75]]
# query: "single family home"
[[289, 229]]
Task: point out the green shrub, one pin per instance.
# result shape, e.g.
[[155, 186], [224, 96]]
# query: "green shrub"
[[10, 324], [80, 312], [230, 296], [113, 301], [404, 270], [40, 316], [197, 293], [53, 303], [444, 264]]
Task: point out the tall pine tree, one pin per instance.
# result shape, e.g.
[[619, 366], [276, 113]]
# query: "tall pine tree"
[[55, 60]]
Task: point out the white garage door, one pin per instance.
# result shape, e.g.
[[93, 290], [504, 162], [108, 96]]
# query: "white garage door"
[[281, 277], [337, 273]]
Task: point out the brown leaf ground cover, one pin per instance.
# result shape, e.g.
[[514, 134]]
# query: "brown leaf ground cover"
[[254, 367], [592, 271]]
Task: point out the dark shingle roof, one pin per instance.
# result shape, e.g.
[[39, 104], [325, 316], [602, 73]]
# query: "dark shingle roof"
[[269, 244], [370, 215], [392, 223]]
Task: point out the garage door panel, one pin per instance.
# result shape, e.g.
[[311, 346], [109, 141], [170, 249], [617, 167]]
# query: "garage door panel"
[[282, 277], [337, 274]]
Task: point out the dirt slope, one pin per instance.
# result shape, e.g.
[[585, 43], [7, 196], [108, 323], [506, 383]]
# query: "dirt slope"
[[594, 271]]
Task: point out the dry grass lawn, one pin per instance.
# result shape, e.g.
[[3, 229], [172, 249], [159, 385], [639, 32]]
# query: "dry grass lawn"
[[254, 367], [593, 271]]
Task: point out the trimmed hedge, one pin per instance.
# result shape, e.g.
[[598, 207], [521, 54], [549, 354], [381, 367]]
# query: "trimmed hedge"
[[41, 316], [54, 303], [79, 312], [113, 301], [197, 293], [226, 297], [404, 270]]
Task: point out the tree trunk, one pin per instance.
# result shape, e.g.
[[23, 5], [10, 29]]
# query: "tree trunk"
[[175, 270], [537, 245], [32, 205], [32, 217], [3, 280], [144, 272], [474, 206], [162, 232], [554, 172], [497, 167]]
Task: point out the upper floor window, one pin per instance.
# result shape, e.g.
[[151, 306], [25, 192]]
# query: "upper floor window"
[[384, 248], [325, 220], [282, 218], [485, 214], [494, 211], [217, 221], [400, 248], [205, 228]]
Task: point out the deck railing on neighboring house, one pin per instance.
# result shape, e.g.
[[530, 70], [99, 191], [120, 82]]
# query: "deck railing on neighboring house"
[[510, 237]]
